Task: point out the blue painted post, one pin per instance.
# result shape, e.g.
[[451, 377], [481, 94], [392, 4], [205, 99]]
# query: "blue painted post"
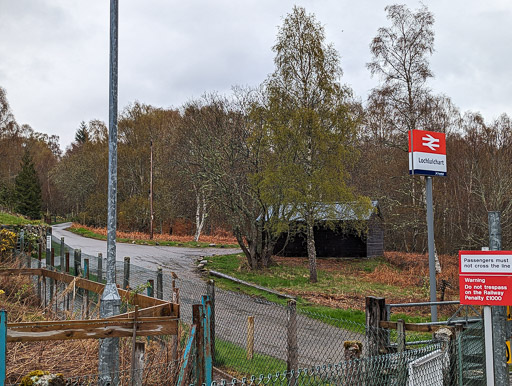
[[86, 268], [151, 286], [207, 345], [185, 367], [3, 345]]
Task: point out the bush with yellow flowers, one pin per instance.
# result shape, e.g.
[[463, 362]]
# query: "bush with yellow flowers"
[[7, 241]]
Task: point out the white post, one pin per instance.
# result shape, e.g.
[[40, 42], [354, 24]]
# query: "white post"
[[489, 354]]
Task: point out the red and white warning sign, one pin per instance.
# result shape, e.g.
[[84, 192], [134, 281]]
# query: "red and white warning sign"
[[485, 277], [427, 153]]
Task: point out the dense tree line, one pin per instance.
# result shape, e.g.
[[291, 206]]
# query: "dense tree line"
[[249, 161]]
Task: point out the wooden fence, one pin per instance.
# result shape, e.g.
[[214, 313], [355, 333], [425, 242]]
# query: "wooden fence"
[[151, 317]]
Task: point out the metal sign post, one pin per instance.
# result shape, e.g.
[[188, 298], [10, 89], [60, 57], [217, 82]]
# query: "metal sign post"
[[431, 255], [499, 313], [427, 157], [489, 354]]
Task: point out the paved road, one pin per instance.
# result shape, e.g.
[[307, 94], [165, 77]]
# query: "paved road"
[[319, 343], [177, 259]]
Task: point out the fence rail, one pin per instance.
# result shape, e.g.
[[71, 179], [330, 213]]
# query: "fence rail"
[[255, 336]]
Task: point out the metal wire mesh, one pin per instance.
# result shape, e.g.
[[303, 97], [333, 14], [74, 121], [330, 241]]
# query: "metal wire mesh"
[[390, 369], [470, 358], [320, 339]]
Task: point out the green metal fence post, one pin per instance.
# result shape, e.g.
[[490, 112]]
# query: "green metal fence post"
[[207, 346], [151, 288], [3, 346]]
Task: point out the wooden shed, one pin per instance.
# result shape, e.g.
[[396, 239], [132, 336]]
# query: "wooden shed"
[[342, 240]]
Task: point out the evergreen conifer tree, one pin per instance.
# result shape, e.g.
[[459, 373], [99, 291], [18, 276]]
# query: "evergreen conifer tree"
[[27, 189]]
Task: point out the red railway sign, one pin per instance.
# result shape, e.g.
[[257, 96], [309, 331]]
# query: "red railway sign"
[[485, 277]]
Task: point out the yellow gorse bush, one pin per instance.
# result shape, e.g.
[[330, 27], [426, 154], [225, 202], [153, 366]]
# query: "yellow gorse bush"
[[7, 240]]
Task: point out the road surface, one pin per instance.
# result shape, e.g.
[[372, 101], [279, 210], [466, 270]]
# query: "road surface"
[[177, 259], [319, 343]]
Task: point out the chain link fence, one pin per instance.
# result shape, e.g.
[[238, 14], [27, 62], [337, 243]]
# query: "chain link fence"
[[254, 336]]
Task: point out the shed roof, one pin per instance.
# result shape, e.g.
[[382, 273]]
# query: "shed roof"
[[337, 211]]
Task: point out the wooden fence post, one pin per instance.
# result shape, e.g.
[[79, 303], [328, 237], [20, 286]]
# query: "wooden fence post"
[[87, 292], [52, 265], [3, 346], [39, 265], [400, 332], [292, 361], [376, 337], [100, 268], [250, 337], [207, 317], [210, 291], [66, 268], [159, 284], [62, 252], [140, 348], [22, 241], [77, 261], [126, 273], [78, 266], [174, 338], [134, 346], [198, 321]]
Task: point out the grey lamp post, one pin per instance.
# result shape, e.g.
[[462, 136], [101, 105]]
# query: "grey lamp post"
[[110, 299]]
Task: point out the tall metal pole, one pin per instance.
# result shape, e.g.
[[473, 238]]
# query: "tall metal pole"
[[110, 299], [431, 256], [151, 191], [499, 313]]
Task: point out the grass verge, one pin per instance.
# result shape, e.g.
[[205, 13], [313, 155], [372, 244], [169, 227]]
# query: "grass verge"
[[189, 244], [339, 293], [10, 219], [233, 359]]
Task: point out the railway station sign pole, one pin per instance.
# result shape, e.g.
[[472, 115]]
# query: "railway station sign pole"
[[427, 157]]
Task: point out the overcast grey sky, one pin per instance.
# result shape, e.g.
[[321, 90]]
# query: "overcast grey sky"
[[54, 53]]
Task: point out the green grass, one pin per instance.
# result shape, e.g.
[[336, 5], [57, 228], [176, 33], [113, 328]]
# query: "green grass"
[[285, 278], [189, 244], [233, 358], [9, 219]]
